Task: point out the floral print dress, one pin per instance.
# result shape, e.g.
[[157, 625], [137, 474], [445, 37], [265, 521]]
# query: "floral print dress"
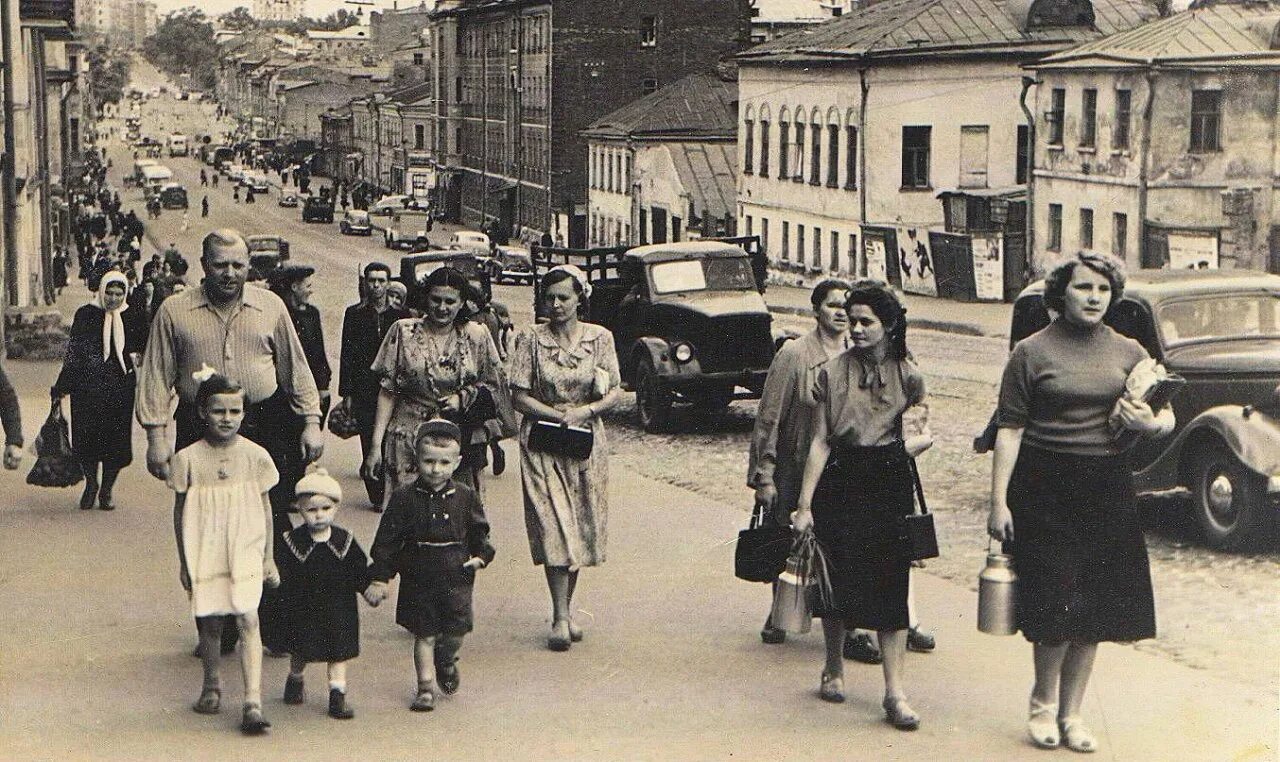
[[421, 371], [565, 500]]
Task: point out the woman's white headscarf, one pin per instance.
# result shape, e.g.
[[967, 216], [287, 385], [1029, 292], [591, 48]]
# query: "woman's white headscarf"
[[112, 323], [577, 274]]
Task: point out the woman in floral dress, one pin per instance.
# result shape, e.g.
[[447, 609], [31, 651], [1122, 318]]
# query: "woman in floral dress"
[[437, 366], [565, 371]]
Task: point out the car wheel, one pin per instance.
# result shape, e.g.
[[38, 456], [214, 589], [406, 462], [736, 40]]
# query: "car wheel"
[[343, 229], [653, 399], [1228, 499]]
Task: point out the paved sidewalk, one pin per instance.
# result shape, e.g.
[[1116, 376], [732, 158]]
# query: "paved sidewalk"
[[971, 318]]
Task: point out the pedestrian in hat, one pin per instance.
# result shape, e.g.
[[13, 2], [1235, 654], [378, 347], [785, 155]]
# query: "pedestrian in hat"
[[322, 569], [435, 535]]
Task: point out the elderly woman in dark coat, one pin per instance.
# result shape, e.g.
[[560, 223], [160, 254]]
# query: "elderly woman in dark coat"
[[107, 339]]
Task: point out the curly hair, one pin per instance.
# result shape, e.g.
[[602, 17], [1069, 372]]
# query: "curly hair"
[[887, 307], [1055, 283], [217, 384], [824, 288]]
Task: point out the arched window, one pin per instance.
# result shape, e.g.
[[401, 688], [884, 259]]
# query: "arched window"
[[802, 131], [851, 150], [784, 141], [833, 148], [748, 141], [764, 141], [815, 148]]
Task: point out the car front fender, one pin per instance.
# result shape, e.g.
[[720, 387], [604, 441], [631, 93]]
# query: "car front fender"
[[1254, 438]]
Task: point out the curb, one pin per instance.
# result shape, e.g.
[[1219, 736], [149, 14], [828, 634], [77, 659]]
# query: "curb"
[[946, 326]]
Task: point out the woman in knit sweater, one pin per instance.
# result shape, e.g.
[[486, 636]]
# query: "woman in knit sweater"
[[1062, 496]]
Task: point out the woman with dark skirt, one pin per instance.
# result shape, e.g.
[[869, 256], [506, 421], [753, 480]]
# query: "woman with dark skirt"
[[1062, 495], [869, 422], [106, 342]]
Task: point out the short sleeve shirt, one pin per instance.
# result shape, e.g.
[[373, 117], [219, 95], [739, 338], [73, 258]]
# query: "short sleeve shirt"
[[862, 401]]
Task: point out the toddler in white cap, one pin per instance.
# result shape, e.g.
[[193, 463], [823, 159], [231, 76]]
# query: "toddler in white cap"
[[322, 570]]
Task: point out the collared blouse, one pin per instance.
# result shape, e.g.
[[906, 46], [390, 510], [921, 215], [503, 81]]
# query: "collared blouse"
[[565, 377], [863, 400]]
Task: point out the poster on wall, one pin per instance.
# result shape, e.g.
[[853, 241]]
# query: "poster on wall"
[[916, 262], [873, 252], [1193, 251], [988, 266]]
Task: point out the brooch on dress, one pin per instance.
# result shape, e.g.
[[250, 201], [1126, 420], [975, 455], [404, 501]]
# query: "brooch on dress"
[[223, 473]]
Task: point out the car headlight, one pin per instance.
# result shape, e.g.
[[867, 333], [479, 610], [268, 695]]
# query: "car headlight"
[[683, 353]]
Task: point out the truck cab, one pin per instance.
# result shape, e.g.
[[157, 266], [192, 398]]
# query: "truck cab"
[[178, 145]]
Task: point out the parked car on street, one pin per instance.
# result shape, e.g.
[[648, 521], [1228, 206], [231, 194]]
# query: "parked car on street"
[[414, 269], [689, 322], [473, 241], [406, 228], [1220, 330], [288, 199], [257, 181], [355, 222], [235, 172], [269, 244], [317, 208], [173, 196], [510, 264], [384, 206]]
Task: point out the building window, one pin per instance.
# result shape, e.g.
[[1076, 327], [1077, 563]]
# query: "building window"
[[1055, 228], [835, 251], [833, 155], [764, 234], [800, 244], [749, 147], [817, 247], [1124, 114], [784, 146], [786, 241], [1119, 234], [648, 85], [1022, 156], [815, 155], [420, 136], [1086, 228], [1206, 120], [851, 157], [764, 150], [800, 133], [750, 225], [608, 173], [1088, 118], [915, 156], [419, 59], [853, 253], [648, 31], [1057, 111]]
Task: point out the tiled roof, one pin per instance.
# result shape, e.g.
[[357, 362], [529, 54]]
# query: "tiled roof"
[[411, 93], [1236, 34], [789, 10], [709, 173], [700, 105], [896, 28]]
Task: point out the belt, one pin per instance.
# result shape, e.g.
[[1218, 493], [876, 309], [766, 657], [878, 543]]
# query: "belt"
[[425, 544]]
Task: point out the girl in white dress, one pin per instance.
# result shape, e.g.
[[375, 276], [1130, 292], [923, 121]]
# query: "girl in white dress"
[[221, 516]]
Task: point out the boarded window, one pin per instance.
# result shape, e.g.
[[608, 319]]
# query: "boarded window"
[[973, 156]]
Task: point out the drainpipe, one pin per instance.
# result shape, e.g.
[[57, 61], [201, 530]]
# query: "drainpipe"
[[862, 151], [1143, 161], [1029, 244], [8, 184]]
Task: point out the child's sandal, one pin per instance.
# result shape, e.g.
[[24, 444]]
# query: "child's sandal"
[[252, 722], [449, 678], [425, 701], [1042, 724], [1076, 737], [210, 701]]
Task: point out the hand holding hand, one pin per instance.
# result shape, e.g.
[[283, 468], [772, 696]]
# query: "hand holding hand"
[[312, 441], [474, 563], [451, 404], [270, 574], [158, 453], [12, 456], [375, 593], [372, 466], [578, 416]]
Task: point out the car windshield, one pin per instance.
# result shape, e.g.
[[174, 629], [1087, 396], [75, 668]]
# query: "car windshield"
[[1220, 317], [263, 244], [712, 274], [422, 269]]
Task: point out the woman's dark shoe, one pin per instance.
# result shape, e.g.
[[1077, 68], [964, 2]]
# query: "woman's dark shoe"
[[898, 713], [575, 632], [449, 678], [89, 496], [772, 635], [294, 690], [860, 648], [920, 641], [252, 722], [210, 701], [559, 640], [105, 503], [832, 688], [338, 708], [499, 457]]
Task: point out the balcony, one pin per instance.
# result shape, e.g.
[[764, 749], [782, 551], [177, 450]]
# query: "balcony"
[[48, 10]]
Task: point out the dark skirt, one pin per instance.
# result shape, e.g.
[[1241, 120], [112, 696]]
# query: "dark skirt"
[[860, 498], [102, 416], [1083, 574], [435, 591]]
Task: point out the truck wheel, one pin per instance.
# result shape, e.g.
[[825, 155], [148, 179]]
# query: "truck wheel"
[[653, 399], [1228, 499]]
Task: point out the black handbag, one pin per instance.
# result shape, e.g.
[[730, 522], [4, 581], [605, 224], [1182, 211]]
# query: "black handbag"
[[762, 549], [557, 439], [916, 530]]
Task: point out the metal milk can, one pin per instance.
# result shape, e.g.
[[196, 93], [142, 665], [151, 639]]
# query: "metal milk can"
[[997, 596]]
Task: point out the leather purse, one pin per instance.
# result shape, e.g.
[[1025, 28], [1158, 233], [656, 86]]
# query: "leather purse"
[[916, 530], [762, 549], [557, 439]]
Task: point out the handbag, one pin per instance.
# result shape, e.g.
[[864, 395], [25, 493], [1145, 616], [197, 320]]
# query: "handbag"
[[56, 464], [762, 549], [557, 439], [916, 530], [342, 421]]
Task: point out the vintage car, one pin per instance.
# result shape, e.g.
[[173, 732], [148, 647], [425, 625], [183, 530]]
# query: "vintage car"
[[173, 196], [269, 244], [1220, 330], [288, 199], [355, 222], [688, 319], [473, 241], [255, 180], [510, 264], [414, 269], [317, 209], [405, 228]]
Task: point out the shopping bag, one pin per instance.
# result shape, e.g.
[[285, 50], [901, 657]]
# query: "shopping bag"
[[762, 549], [342, 421], [56, 464]]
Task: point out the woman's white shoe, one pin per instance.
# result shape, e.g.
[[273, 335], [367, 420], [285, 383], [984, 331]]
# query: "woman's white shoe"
[[1042, 724]]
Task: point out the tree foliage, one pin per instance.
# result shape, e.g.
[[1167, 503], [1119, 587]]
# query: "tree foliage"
[[238, 19], [108, 74], [184, 44]]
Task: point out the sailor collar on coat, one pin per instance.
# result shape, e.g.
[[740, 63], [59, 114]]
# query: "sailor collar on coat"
[[300, 543]]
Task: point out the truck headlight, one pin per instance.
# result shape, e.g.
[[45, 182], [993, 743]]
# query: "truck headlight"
[[683, 353]]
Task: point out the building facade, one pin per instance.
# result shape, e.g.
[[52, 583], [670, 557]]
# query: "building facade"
[[278, 10], [1159, 145], [508, 144]]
